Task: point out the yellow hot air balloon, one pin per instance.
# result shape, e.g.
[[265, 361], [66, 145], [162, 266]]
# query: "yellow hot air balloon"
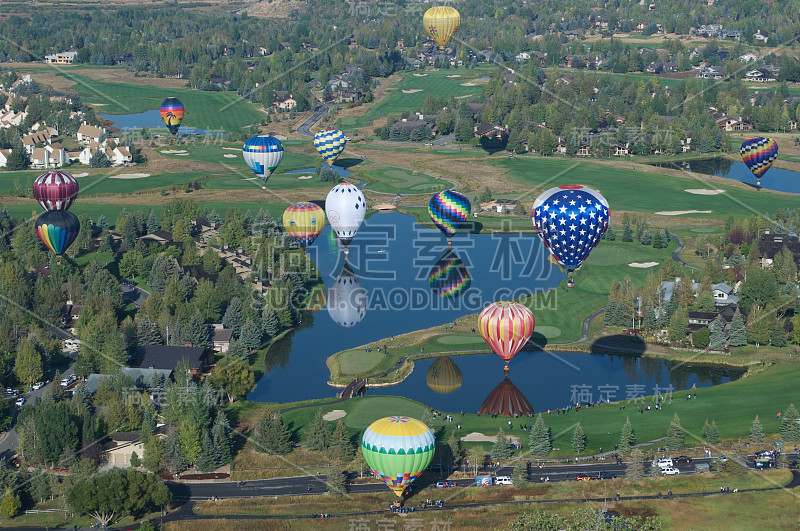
[[441, 23]]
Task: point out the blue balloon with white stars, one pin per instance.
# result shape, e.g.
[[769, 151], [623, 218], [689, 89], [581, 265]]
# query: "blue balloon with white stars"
[[571, 220]]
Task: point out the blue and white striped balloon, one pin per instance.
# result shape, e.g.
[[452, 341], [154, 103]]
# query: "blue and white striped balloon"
[[263, 154], [330, 143]]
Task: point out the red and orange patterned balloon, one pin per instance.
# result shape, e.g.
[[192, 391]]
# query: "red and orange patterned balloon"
[[506, 327]]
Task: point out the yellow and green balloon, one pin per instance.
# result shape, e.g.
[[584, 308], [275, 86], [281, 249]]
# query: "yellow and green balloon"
[[441, 23], [398, 450]]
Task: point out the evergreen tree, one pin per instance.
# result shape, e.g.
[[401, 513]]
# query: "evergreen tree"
[[634, 472], [427, 418], [627, 438], [10, 504], [540, 439], [271, 435], [675, 434], [250, 335], [341, 448], [717, 337], [738, 330], [270, 324], [455, 449], [650, 321], [519, 476], [502, 448], [147, 333], [206, 461], [790, 429], [222, 439], [336, 482], [713, 434], [704, 431], [778, 335], [102, 222], [197, 331], [148, 426], [317, 436], [679, 324], [610, 235], [174, 459], [578, 439], [233, 318], [756, 431], [627, 234], [99, 160], [152, 223]]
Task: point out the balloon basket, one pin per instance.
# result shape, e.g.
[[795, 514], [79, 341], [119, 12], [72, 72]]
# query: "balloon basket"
[[449, 243], [506, 369]]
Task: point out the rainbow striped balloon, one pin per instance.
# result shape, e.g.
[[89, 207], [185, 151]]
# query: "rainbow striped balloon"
[[304, 222], [506, 327], [449, 277], [398, 450], [448, 211], [330, 143], [57, 229], [759, 154]]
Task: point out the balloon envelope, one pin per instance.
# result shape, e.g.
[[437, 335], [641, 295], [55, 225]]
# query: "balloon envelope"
[[263, 154], [345, 207], [304, 222], [449, 277], [443, 376], [55, 190], [57, 229], [347, 299], [506, 399], [506, 327], [398, 449], [172, 114], [330, 143], [570, 221], [441, 23], [448, 211], [759, 154]]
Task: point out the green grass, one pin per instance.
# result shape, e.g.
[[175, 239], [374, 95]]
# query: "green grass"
[[639, 191], [434, 82], [102, 258], [400, 181], [204, 110], [215, 154]]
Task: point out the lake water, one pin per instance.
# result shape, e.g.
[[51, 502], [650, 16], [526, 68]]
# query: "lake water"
[[396, 262], [775, 179], [151, 119]]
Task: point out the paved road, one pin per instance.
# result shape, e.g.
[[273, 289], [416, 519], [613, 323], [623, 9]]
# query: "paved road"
[[305, 127], [678, 250], [134, 294]]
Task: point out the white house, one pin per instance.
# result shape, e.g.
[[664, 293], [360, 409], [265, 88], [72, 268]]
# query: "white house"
[[522, 57], [57, 155], [89, 133], [748, 57], [119, 155], [29, 141], [86, 155], [4, 153]]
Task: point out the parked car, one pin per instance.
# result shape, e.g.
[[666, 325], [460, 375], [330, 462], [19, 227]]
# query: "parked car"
[[444, 484], [670, 471], [664, 462], [428, 143], [722, 459], [682, 459], [583, 477], [20, 401], [503, 480], [69, 380], [606, 475], [38, 385]]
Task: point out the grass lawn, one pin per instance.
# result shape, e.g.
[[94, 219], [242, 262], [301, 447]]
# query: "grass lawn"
[[215, 153], [400, 181], [204, 110], [424, 82], [102, 258]]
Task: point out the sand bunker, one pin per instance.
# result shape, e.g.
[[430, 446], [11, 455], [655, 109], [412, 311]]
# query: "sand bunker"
[[232, 149], [384, 206], [306, 177], [455, 75], [84, 174], [643, 264], [681, 212], [229, 156], [704, 191], [250, 179], [420, 75], [411, 91], [181, 154], [464, 96], [479, 437], [173, 151], [336, 414], [468, 84], [130, 176]]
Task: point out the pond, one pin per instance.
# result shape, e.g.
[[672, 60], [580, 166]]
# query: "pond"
[[150, 119], [774, 179], [392, 266]]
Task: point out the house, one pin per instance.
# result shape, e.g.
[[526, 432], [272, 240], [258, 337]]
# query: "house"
[[760, 75], [70, 313], [283, 100], [56, 155], [772, 244], [711, 72], [222, 338], [489, 130], [9, 118], [349, 95], [583, 150], [168, 357], [63, 58], [119, 155], [660, 67], [30, 141], [499, 205], [161, 237], [144, 377], [748, 57], [541, 57], [90, 133], [723, 294], [414, 62], [622, 150], [4, 153], [123, 444], [730, 34], [522, 57], [733, 123], [760, 37], [40, 158], [338, 83]]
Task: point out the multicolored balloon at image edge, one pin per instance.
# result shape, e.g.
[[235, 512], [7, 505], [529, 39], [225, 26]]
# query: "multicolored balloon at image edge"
[[330, 143], [55, 190], [449, 277], [172, 114], [57, 229], [570, 220], [449, 210], [263, 154], [304, 222], [398, 450], [759, 154]]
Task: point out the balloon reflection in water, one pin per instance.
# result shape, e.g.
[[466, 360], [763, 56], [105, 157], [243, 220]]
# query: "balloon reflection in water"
[[506, 399], [347, 299], [449, 278], [443, 376]]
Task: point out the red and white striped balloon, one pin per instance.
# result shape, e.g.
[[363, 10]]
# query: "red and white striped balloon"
[[55, 190], [506, 327]]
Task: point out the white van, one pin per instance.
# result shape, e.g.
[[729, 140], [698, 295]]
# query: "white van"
[[665, 463], [503, 480]]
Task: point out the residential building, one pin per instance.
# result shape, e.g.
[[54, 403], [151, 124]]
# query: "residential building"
[[168, 357], [222, 338], [63, 58], [283, 100], [522, 57], [759, 75], [90, 133], [30, 141], [4, 153]]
